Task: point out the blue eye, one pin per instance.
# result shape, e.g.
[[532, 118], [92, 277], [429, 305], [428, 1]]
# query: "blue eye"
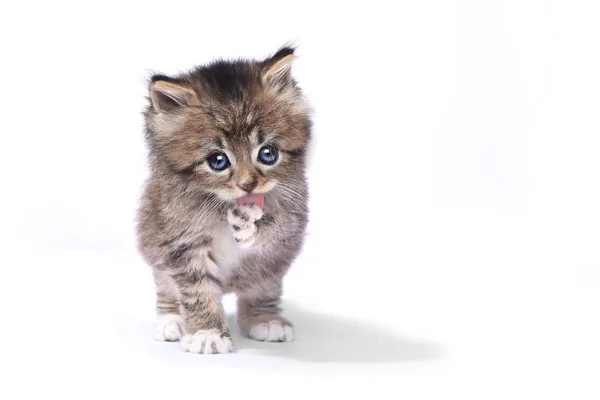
[[268, 155], [218, 161]]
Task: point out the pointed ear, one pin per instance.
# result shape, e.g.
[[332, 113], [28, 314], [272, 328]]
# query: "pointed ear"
[[277, 69], [168, 96]]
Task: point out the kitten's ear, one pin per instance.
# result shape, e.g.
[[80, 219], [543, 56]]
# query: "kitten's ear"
[[277, 69], [168, 96]]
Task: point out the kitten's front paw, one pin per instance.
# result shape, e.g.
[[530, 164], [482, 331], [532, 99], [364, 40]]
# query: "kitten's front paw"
[[169, 328], [272, 331], [209, 341], [242, 223]]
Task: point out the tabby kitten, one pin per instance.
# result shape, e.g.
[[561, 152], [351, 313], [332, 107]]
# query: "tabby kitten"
[[225, 206]]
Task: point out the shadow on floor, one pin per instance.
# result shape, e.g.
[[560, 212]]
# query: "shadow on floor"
[[329, 338]]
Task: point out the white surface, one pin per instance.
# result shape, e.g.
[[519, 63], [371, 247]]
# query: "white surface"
[[453, 247]]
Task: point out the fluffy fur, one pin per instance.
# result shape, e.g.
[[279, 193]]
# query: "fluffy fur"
[[199, 243]]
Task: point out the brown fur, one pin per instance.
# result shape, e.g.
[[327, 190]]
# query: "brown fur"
[[183, 232]]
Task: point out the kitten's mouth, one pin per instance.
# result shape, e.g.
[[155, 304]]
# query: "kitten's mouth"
[[252, 198]]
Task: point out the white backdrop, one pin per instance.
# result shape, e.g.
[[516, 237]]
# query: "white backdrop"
[[453, 244]]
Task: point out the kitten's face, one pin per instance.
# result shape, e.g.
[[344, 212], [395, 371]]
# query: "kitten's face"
[[231, 128]]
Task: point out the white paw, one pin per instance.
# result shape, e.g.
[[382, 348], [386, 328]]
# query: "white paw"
[[274, 331], [208, 341], [169, 327], [242, 223]]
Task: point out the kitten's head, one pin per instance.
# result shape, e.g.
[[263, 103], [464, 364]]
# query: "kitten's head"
[[231, 127]]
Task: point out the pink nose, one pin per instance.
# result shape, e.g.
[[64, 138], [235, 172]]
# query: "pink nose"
[[247, 186]]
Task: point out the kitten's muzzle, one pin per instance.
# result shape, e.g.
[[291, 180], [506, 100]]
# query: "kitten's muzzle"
[[247, 186]]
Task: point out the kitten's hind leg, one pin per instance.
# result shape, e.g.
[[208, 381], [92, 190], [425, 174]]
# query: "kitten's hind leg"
[[169, 323], [259, 318]]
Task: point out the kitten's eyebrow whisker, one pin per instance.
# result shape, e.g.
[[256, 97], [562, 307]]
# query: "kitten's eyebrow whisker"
[[273, 137], [298, 135]]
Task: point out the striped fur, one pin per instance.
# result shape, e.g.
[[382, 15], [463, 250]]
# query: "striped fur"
[[199, 244]]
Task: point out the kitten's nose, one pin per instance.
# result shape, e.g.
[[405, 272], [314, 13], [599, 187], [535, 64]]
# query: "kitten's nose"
[[248, 186]]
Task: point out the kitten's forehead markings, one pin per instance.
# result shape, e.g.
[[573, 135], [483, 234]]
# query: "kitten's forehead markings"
[[220, 143], [207, 146], [268, 137], [220, 120], [224, 144], [224, 131], [261, 137], [255, 137]]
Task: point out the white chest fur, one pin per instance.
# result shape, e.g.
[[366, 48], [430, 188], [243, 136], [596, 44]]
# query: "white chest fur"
[[221, 257], [225, 250]]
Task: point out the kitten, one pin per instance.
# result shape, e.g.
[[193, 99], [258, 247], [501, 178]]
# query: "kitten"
[[225, 206]]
